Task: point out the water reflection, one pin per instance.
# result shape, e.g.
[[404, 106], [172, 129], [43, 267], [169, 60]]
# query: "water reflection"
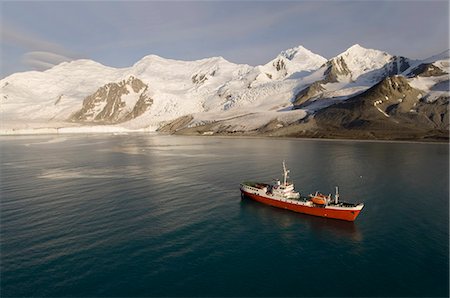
[[284, 219]]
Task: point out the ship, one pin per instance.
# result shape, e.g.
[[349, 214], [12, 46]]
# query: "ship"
[[283, 195]]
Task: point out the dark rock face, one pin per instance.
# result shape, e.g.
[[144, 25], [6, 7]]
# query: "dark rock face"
[[335, 68], [392, 104], [305, 94], [435, 113], [338, 68], [396, 66], [279, 65], [200, 78], [176, 124], [426, 70], [108, 104]]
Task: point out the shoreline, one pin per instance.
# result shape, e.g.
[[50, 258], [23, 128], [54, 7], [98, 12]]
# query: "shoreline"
[[123, 131]]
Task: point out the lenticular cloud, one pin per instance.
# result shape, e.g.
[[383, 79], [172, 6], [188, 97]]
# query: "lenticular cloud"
[[42, 60]]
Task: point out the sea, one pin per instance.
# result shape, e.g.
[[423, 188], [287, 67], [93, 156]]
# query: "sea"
[[144, 215]]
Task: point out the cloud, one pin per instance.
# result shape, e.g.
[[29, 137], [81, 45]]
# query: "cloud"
[[39, 54], [117, 33], [41, 60]]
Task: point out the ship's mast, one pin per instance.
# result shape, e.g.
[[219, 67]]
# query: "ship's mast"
[[285, 172], [336, 197]]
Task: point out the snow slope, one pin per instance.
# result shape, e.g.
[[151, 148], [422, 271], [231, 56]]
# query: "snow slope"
[[360, 60], [357, 69], [295, 62], [177, 88], [438, 85], [211, 90]]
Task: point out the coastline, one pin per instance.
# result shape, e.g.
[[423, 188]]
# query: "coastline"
[[117, 130], [68, 129]]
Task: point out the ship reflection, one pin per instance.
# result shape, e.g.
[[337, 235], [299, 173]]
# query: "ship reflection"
[[317, 225]]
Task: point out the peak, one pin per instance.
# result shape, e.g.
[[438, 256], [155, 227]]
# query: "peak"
[[298, 48], [152, 60], [153, 57], [219, 58], [358, 60], [358, 50], [294, 60], [158, 59], [293, 52], [356, 46], [215, 59], [79, 62]]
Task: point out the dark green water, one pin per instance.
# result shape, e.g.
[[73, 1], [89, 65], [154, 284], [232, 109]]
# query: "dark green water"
[[143, 215]]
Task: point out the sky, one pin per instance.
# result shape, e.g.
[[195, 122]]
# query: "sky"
[[36, 35]]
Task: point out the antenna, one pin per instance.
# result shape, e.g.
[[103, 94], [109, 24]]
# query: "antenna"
[[336, 197], [286, 172]]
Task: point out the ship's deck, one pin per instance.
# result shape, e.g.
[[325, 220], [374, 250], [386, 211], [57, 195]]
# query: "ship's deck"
[[255, 184]]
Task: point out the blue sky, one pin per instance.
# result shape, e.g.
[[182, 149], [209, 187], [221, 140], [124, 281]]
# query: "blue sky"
[[39, 34]]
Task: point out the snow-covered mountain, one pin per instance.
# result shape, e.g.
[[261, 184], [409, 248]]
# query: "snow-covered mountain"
[[297, 61], [207, 96], [358, 63], [352, 71], [115, 102]]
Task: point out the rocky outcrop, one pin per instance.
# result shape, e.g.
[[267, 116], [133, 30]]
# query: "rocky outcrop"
[[426, 70], [435, 113], [392, 104], [306, 94], [177, 124], [279, 65], [115, 102], [396, 66], [292, 63], [335, 68], [200, 78]]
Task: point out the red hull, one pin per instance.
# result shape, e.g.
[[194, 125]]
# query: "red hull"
[[348, 215]]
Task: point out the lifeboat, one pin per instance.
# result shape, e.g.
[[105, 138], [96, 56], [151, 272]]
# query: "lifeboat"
[[319, 199]]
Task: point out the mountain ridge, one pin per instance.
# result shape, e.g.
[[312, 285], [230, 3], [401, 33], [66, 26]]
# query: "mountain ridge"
[[285, 92]]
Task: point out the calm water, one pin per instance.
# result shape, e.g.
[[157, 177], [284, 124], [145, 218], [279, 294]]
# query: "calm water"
[[143, 215]]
